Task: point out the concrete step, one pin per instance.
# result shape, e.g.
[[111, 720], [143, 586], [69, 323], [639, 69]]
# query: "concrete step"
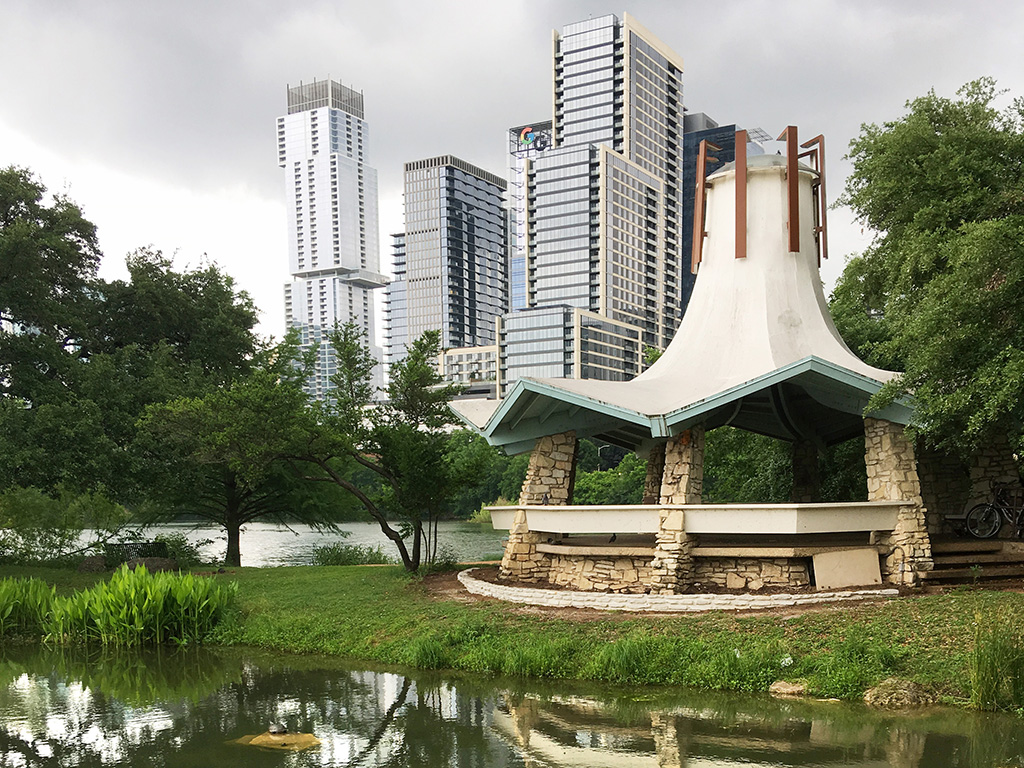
[[979, 559], [966, 574], [966, 545]]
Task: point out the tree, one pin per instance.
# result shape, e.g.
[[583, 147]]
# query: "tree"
[[219, 457], [623, 484], [402, 441], [939, 291]]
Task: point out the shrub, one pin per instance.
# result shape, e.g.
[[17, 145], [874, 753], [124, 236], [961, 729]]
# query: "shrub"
[[25, 606], [134, 608], [350, 554], [181, 550]]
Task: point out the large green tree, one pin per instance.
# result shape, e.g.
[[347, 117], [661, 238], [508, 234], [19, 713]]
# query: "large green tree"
[[218, 456], [402, 441], [81, 358], [938, 294]]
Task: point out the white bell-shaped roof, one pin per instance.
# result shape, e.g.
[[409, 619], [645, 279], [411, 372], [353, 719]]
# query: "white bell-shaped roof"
[[757, 347]]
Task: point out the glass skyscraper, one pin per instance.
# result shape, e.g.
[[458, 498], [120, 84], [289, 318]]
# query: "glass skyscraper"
[[450, 263], [602, 206], [331, 194]]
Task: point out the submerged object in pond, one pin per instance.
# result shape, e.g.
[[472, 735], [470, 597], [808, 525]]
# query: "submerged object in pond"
[[288, 742]]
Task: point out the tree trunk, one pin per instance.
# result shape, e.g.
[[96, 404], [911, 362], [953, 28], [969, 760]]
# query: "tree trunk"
[[417, 540], [233, 526]]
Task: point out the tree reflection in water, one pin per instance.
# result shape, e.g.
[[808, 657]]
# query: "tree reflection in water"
[[183, 707]]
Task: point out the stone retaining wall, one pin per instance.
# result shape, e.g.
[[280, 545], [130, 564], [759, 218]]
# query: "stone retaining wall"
[[752, 573], [659, 603], [600, 573]]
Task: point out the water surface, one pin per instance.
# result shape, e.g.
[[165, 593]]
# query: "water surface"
[[189, 708], [268, 544]]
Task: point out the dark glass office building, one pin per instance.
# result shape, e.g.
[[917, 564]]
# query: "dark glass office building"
[[450, 264]]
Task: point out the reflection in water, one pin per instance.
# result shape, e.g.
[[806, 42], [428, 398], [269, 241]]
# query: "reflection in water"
[[184, 708]]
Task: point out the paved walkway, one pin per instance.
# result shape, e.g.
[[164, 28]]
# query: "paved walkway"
[[604, 601]]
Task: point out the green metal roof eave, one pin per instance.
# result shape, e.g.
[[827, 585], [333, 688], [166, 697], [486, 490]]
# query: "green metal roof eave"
[[525, 386], [900, 412]]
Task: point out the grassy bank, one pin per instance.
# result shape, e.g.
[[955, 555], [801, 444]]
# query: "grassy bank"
[[378, 614]]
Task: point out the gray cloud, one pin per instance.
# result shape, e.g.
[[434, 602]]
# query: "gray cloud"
[[188, 92]]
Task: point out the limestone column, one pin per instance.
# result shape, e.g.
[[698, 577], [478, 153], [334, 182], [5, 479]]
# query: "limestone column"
[[682, 483], [806, 475], [892, 476], [549, 480], [683, 479], [552, 471], [655, 471]]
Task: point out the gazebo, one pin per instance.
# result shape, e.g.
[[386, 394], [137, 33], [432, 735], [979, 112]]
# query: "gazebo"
[[756, 349]]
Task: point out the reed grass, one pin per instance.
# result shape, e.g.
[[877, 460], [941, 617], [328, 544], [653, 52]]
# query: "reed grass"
[[134, 608], [997, 663]]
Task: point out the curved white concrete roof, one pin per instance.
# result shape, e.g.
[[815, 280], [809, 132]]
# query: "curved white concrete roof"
[[756, 336]]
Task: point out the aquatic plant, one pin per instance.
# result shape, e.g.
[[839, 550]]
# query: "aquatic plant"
[[997, 663], [134, 608]]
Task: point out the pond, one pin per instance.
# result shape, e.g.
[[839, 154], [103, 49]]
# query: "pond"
[[268, 544], [191, 708]]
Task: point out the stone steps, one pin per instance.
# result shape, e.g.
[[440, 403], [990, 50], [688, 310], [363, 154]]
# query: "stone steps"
[[973, 560], [965, 574]]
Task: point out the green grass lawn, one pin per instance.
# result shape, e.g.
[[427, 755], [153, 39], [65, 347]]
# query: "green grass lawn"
[[379, 614]]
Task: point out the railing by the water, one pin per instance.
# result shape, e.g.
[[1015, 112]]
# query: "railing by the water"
[[708, 518]]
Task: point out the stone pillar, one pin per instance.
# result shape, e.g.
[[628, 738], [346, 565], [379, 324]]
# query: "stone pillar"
[[683, 479], [521, 561], [655, 471], [806, 475], [552, 471], [549, 480], [666, 740], [672, 566], [892, 476], [681, 483]]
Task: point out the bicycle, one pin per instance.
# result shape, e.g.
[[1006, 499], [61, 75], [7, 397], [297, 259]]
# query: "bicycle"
[[986, 519]]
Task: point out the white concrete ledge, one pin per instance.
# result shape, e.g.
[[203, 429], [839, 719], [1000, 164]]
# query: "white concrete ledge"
[[708, 518], [604, 601]]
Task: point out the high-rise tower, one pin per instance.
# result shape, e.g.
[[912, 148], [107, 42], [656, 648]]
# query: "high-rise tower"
[[450, 263], [602, 209], [333, 251]]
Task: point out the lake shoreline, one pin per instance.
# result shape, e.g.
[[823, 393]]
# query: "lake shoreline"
[[381, 615]]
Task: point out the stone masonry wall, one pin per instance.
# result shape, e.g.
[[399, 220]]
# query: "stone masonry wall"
[[552, 470], [752, 573], [892, 476], [945, 486], [991, 466], [599, 573]]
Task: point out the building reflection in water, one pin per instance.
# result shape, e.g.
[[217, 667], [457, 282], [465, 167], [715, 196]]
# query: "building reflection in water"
[[184, 708]]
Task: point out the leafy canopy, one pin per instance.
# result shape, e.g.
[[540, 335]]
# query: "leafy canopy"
[[939, 292]]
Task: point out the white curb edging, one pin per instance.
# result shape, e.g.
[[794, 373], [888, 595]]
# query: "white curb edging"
[[603, 601]]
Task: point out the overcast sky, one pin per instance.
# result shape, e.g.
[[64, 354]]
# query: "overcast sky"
[[159, 118]]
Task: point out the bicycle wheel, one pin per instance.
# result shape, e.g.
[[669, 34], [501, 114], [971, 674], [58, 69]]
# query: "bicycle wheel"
[[984, 521]]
